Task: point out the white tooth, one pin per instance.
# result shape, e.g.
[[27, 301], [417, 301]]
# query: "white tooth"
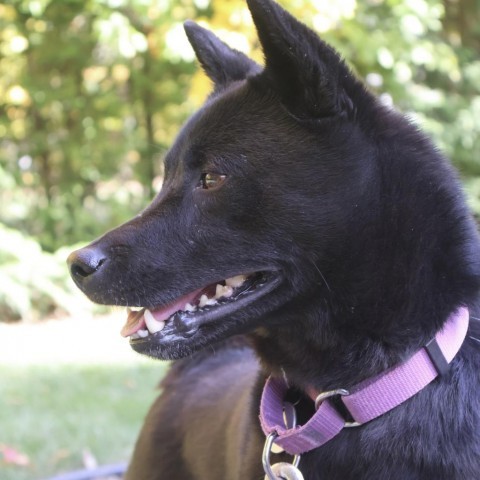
[[235, 281], [129, 310], [203, 301], [218, 290], [228, 291], [189, 308], [153, 324], [142, 333], [211, 301], [135, 336], [223, 291]]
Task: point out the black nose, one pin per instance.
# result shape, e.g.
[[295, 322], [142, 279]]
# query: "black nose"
[[85, 262]]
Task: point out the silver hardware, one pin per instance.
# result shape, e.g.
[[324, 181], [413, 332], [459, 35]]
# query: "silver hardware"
[[289, 415], [290, 420], [331, 393], [279, 470], [284, 471]]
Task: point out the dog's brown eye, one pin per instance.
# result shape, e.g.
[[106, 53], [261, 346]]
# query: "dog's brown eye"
[[211, 180]]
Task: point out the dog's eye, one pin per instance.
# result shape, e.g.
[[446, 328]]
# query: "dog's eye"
[[211, 180]]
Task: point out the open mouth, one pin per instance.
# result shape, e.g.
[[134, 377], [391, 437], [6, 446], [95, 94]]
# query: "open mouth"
[[183, 317]]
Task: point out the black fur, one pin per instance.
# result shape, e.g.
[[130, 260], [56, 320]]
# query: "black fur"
[[364, 223]]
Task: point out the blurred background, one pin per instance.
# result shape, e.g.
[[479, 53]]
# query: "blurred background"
[[91, 95]]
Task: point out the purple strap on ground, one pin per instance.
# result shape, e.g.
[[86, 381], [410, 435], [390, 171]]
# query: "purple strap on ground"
[[368, 399]]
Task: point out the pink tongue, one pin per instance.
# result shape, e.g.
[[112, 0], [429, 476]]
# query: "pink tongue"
[[136, 322]]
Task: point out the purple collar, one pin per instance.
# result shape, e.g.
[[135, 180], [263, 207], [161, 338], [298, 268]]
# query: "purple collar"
[[367, 400]]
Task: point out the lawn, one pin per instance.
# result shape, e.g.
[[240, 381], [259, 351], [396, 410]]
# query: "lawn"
[[72, 393]]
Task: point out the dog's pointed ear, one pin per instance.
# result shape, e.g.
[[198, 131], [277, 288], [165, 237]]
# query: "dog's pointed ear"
[[307, 73], [221, 63]]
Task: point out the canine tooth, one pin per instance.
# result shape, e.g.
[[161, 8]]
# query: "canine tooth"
[[236, 281], [153, 324], [142, 333], [189, 308], [134, 336], [203, 301], [129, 310]]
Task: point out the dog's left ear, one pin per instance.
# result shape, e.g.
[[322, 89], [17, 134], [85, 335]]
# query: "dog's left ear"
[[221, 63], [308, 74]]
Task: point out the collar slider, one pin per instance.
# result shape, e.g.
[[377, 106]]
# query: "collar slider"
[[437, 357]]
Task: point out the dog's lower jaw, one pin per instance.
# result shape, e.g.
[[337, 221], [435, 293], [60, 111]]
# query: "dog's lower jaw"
[[187, 332]]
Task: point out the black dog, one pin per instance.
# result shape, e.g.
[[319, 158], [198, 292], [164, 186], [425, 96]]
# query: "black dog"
[[302, 217]]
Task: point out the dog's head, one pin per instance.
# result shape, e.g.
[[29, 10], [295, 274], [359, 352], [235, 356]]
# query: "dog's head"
[[262, 188]]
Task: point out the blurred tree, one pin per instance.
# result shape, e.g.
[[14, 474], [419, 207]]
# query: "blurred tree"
[[88, 99]]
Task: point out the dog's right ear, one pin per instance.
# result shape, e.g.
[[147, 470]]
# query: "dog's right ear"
[[308, 75], [221, 63]]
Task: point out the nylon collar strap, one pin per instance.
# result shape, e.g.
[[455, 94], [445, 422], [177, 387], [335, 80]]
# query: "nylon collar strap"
[[367, 400]]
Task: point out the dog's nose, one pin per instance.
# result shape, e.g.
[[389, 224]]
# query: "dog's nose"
[[85, 262]]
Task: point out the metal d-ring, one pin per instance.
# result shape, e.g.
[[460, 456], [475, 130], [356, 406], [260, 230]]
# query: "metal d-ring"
[[266, 457], [331, 393], [290, 420]]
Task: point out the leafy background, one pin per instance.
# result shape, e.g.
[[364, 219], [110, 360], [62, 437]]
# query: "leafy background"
[[92, 93]]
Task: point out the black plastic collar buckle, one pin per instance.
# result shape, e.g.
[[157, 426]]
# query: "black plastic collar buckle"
[[437, 357]]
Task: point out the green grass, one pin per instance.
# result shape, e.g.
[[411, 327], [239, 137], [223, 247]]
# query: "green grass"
[[54, 413]]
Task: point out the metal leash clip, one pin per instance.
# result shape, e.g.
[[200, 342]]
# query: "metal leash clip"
[[281, 470]]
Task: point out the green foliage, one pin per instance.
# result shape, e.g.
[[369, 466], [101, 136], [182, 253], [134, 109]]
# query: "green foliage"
[[88, 100], [34, 283], [424, 57]]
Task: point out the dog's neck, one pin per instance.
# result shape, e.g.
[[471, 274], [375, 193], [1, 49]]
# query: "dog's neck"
[[336, 357], [368, 313]]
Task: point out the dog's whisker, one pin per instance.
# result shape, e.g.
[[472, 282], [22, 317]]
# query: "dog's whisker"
[[321, 275]]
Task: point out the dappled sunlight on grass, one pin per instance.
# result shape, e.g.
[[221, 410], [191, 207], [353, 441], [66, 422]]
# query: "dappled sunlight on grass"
[[70, 389]]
